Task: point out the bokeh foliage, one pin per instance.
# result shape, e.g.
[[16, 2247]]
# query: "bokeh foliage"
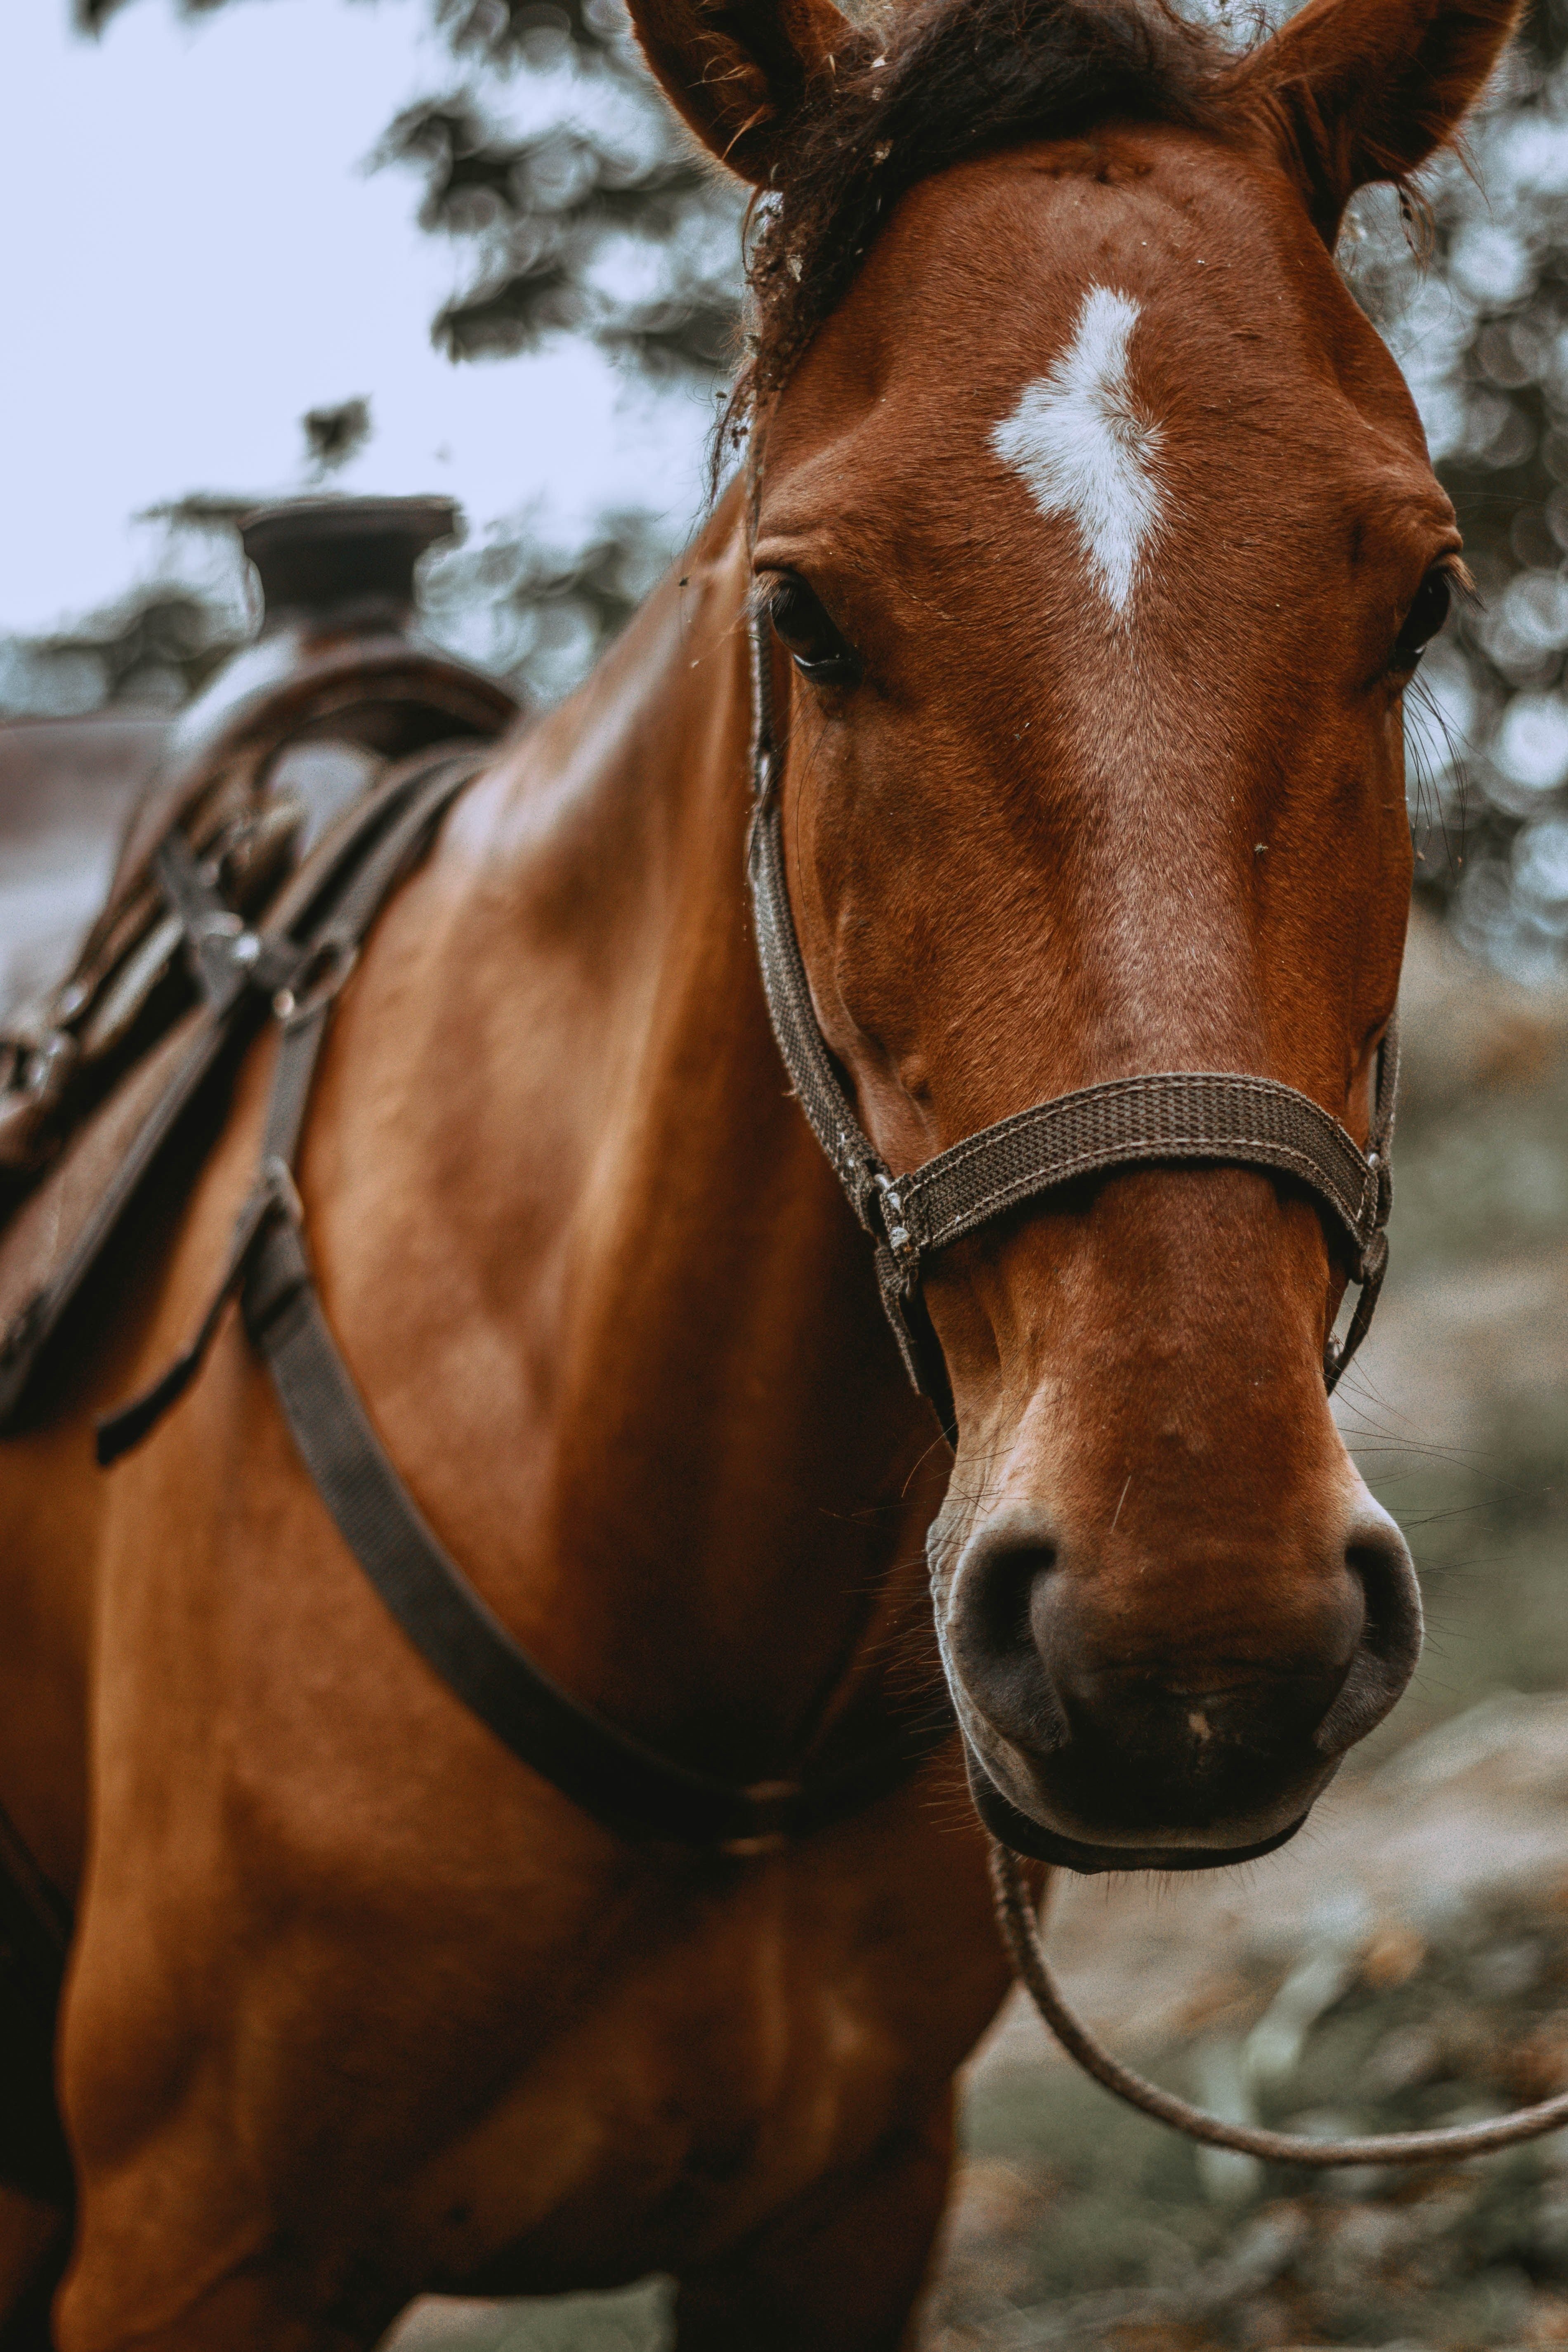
[[551, 162], [602, 221], [1480, 327]]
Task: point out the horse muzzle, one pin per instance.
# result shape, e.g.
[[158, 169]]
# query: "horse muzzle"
[[1174, 1714]]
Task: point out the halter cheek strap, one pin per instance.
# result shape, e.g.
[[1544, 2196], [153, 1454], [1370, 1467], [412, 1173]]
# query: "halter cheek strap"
[[1213, 1117]]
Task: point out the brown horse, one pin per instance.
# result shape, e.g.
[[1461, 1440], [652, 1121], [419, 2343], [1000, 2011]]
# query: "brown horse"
[[1098, 539]]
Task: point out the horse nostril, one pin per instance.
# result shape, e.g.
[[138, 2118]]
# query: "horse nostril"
[[1378, 1557], [1002, 1576], [1028, 1642]]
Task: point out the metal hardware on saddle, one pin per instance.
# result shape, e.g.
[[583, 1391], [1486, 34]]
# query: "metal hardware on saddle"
[[213, 836], [1174, 1116], [317, 979], [226, 956]]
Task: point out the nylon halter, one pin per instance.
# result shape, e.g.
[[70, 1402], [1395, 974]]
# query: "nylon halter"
[[1213, 1117]]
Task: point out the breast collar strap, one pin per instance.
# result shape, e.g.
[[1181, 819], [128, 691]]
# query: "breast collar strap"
[[609, 1772], [1211, 1117]]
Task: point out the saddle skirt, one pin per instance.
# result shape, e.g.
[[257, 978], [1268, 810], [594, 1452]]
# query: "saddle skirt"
[[101, 1071]]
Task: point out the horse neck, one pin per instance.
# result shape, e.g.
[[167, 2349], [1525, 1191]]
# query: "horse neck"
[[739, 1478]]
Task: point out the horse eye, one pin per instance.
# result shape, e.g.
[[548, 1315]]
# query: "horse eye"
[[1423, 621], [817, 647]]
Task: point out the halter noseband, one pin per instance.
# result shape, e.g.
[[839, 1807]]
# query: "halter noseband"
[[1199, 1115]]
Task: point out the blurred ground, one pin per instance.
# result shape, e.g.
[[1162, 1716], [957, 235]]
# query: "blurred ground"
[[66, 788], [1405, 1961]]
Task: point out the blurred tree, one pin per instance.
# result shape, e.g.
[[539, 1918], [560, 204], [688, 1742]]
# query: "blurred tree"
[[601, 221], [333, 436], [159, 645], [536, 612], [553, 161], [156, 649], [540, 615], [1480, 328]]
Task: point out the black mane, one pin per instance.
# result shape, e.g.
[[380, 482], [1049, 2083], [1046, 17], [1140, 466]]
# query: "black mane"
[[949, 81]]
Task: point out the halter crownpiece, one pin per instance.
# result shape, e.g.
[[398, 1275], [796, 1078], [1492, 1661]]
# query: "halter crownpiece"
[[1207, 1116]]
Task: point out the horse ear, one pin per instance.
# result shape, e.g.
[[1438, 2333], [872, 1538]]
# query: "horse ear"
[[739, 71], [1367, 89]]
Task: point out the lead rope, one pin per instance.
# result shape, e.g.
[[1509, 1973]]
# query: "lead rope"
[[1021, 1934]]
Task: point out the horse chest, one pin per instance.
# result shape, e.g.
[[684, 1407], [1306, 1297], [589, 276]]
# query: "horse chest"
[[750, 2074], [709, 2083]]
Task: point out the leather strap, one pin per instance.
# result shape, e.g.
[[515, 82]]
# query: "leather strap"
[[611, 1775], [234, 1003], [306, 973], [1167, 1116], [35, 1938], [622, 1783], [23, 1342]]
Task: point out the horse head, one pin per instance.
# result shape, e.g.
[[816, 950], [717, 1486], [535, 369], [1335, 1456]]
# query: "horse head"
[[1097, 540]]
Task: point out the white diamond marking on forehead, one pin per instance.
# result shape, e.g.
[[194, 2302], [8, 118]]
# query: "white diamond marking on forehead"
[[1082, 448]]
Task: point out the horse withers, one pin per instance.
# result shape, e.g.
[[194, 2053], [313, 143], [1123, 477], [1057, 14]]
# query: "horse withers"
[[1096, 540]]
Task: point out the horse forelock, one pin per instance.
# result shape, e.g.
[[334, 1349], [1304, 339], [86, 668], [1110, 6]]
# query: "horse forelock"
[[951, 80]]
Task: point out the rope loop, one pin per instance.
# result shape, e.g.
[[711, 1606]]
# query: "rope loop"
[[1021, 1934]]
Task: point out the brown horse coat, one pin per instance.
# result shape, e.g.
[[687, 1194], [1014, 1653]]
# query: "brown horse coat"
[[359, 2006], [482, 1990]]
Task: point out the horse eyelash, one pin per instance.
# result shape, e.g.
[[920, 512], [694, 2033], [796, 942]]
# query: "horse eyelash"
[[1459, 576]]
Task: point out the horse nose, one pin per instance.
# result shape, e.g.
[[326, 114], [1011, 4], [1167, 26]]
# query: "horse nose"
[[1059, 1650], [1378, 1557], [1005, 1576]]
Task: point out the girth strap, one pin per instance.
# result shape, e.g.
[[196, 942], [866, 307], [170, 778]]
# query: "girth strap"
[[1172, 1116], [34, 1939], [243, 975], [612, 1775], [304, 976]]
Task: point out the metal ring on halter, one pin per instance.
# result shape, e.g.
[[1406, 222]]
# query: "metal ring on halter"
[[1021, 1934]]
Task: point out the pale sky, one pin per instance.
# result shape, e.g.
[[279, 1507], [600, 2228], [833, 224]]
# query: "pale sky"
[[212, 260]]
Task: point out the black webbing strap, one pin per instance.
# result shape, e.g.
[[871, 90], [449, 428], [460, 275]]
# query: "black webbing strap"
[[225, 956], [234, 1003], [613, 1776], [627, 1786], [304, 974], [34, 1941], [1172, 1116]]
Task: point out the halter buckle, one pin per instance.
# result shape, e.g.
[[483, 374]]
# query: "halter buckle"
[[895, 1228]]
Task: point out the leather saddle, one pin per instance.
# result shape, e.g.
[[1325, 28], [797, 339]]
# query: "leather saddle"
[[223, 833]]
